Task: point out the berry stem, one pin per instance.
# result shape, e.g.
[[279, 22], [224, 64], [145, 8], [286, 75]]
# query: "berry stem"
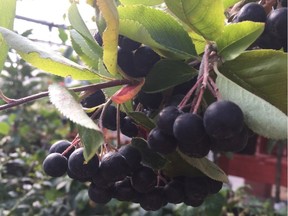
[[16, 102], [118, 125], [75, 142]]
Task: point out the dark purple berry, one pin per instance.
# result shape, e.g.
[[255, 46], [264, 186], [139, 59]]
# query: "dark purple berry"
[[55, 165]]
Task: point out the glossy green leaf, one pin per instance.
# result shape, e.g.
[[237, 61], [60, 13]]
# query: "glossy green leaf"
[[237, 37], [205, 17], [91, 140], [82, 48], [64, 101], [262, 72], [260, 116], [48, 61], [7, 11], [166, 74], [141, 119], [198, 41], [229, 3], [149, 157], [143, 2], [157, 29], [110, 35]]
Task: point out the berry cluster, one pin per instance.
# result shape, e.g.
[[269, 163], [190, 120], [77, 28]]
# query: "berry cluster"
[[121, 175], [221, 128], [275, 33]]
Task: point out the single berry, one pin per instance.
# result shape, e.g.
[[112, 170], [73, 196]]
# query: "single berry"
[[196, 188], [166, 119], [98, 194], [196, 149], [144, 179], [55, 165], [109, 119], [79, 167], [127, 43], [93, 100], [132, 155], [98, 38], [153, 200], [150, 100], [252, 12], [223, 119], [128, 128], [276, 24], [114, 167], [233, 144], [60, 146], [160, 142], [174, 192], [124, 191], [125, 61], [194, 202]]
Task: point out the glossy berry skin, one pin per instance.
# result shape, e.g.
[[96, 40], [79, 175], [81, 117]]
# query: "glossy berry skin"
[[166, 119], [232, 144], [160, 142], [98, 194], [153, 200], [144, 179], [60, 146], [127, 43], [150, 100], [79, 167], [276, 24], [132, 155], [125, 60], [109, 118], [93, 100], [128, 128], [223, 119], [251, 12], [174, 192], [55, 165], [114, 167], [144, 59], [188, 128]]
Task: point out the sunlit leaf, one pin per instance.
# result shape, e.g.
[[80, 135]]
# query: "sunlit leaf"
[[64, 101], [237, 37], [91, 139], [205, 17], [166, 74], [143, 2], [262, 72], [7, 11], [260, 116], [110, 35], [48, 61], [156, 29]]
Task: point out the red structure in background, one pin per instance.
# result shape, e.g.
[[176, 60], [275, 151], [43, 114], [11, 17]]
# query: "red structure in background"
[[258, 168]]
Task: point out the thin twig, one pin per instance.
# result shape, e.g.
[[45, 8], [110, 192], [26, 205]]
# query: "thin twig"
[[94, 87]]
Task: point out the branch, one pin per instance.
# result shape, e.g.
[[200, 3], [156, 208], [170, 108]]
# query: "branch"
[[17, 102]]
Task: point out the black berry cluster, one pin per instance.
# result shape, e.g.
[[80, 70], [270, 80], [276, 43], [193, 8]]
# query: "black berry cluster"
[[221, 128], [121, 175], [275, 33]]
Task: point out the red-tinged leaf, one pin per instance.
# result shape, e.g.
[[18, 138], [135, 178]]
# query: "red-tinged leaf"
[[127, 92]]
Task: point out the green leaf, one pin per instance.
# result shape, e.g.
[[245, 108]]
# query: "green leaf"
[[69, 107], [181, 164], [110, 35], [91, 139], [4, 128], [156, 29], [7, 11], [262, 72], [143, 2], [205, 17], [166, 74], [141, 119], [237, 37], [229, 3], [149, 157], [83, 49], [44, 60], [260, 116]]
